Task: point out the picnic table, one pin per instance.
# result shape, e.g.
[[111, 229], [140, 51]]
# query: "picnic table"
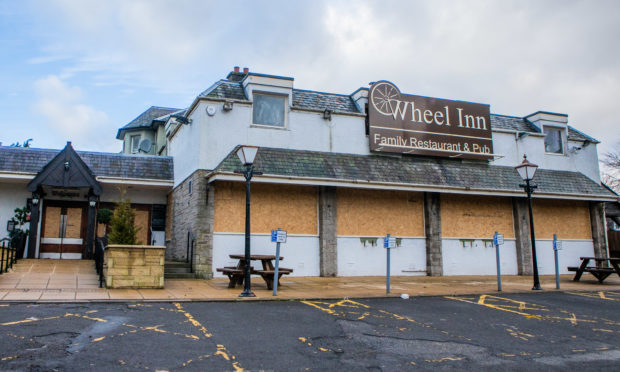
[[236, 274], [599, 271]]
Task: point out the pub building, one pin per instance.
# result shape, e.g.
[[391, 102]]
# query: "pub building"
[[339, 173]]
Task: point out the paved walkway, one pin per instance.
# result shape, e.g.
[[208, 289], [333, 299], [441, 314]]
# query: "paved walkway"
[[76, 281]]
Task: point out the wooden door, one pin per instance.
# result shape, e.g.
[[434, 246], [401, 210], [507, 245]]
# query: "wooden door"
[[63, 232]]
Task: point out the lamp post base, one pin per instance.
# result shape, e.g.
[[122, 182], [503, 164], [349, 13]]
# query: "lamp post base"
[[537, 288], [247, 294]]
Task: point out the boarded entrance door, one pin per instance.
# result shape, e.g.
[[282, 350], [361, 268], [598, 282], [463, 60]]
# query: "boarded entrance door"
[[63, 232]]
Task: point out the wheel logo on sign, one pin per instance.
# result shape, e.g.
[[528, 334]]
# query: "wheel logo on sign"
[[384, 97]]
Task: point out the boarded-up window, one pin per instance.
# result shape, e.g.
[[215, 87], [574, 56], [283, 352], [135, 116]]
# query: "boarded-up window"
[[566, 218], [479, 217], [380, 212], [292, 208]]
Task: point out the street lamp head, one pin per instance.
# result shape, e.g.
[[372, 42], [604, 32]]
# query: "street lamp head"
[[526, 169], [247, 154]]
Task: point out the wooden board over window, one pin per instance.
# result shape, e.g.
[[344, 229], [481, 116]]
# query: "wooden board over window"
[[479, 217], [380, 212], [292, 208], [567, 218]]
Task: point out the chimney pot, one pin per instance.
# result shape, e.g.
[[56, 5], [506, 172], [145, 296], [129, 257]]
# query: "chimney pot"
[[236, 68], [246, 70]]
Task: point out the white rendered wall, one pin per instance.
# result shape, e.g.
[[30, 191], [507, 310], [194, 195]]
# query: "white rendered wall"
[[139, 195], [12, 195], [300, 252], [186, 146], [478, 259], [512, 150], [567, 256], [355, 259]]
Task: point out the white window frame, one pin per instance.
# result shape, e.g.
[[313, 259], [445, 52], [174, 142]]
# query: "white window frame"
[[562, 139], [131, 147], [284, 97]]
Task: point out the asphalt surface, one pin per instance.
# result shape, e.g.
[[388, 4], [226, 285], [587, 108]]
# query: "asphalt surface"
[[534, 331]]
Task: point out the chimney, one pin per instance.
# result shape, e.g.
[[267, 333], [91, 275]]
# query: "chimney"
[[236, 69], [246, 70]]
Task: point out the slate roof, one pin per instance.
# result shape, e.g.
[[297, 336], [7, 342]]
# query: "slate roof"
[[320, 101], [416, 171], [224, 89], [31, 160], [145, 119]]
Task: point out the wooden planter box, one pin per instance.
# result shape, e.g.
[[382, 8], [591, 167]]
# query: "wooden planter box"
[[134, 266]]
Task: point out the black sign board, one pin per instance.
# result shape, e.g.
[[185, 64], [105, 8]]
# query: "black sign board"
[[419, 125]]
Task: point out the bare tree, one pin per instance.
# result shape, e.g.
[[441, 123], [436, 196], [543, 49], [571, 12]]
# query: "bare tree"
[[610, 172]]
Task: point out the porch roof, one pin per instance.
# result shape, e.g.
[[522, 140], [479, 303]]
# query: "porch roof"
[[413, 172], [32, 160]]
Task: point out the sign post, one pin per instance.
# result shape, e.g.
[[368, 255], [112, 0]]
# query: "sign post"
[[557, 245], [498, 239], [388, 243], [277, 236]]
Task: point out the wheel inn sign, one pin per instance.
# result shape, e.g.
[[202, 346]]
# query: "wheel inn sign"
[[418, 125]]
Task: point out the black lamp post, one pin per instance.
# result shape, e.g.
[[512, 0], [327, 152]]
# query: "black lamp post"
[[247, 154], [527, 170]]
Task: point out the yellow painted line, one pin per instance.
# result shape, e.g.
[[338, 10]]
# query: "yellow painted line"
[[496, 307], [4, 305], [602, 330], [98, 339], [221, 349], [9, 358], [602, 295], [193, 321], [91, 311], [30, 320], [446, 359], [85, 317]]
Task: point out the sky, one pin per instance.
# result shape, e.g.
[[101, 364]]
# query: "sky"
[[77, 70]]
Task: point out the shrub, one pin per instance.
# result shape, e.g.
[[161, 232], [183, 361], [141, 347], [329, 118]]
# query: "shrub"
[[122, 229]]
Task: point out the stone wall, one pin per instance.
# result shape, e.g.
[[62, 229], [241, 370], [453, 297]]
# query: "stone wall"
[[192, 224], [134, 266]]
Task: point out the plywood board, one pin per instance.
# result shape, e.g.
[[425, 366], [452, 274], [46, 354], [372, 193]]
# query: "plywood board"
[[141, 222], [292, 208], [380, 212], [51, 227], [479, 217], [567, 218], [74, 223]]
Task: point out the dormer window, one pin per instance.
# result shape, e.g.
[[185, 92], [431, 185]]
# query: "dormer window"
[[134, 143], [553, 140], [269, 110]]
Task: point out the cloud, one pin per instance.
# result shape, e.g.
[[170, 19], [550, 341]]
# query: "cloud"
[[65, 115]]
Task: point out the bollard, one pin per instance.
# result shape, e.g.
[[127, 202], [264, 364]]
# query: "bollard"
[[497, 241], [557, 268]]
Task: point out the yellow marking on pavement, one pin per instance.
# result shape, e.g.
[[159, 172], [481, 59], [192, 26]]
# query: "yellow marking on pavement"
[[16, 336], [412, 363], [573, 319], [9, 358], [602, 330], [579, 350], [4, 305], [122, 362], [446, 359], [193, 321], [98, 339], [508, 355], [161, 370], [302, 339], [608, 296], [29, 320], [85, 317], [221, 349], [520, 335], [602, 348], [482, 301], [91, 311], [323, 349]]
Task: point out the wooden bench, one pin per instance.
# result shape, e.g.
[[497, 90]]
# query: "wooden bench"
[[269, 274], [235, 275], [599, 272]]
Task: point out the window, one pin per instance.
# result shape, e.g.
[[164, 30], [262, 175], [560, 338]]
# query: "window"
[[553, 140], [190, 186], [268, 110], [134, 142]]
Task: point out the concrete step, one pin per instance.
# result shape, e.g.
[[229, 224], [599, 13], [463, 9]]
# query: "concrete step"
[[179, 270], [179, 275], [176, 264]]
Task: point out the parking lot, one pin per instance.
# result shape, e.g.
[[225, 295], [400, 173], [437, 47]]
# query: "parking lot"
[[537, 331]]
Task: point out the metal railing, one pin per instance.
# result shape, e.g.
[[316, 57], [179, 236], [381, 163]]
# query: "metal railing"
[[100, 244], [8, 255]]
